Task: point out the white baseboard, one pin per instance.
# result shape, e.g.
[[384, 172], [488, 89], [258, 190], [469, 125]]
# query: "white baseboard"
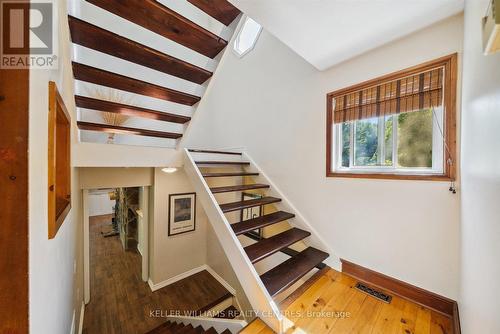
[[221, 280], [82, 313], [73, 323], [157, 286], [162, 284]]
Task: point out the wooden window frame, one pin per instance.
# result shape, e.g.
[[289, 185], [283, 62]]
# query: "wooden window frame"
[[59, 161], [450, 130]]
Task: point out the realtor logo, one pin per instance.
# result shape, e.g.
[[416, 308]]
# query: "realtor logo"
[[27, 32]]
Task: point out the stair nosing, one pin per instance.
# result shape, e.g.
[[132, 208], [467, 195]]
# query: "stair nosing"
[[251, 224], [229, 174], [273, 240], [323, 256], [226, 207], [243, 187], [205, 162]]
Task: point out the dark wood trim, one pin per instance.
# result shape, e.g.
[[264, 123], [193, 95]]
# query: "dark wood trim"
[[160, 19], [59, 161], [14, 139], [126, 131], [229, 174], [96, 38], [169, 208], [109, 79], [221, 10], [407, 291], [456, 320], [236, 163], [118, 108], [450, 130], [242, 187], [194, 150], [387, 176]]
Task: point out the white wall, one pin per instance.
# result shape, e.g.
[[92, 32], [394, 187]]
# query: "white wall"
[[273, 103], [174, 255], [55, 266], [100, 204], [479, 299]]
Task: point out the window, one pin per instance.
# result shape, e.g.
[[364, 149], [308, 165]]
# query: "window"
[[398, 126], [247, 37]]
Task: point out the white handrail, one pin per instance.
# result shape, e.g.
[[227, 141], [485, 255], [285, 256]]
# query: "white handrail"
[[262, 303]]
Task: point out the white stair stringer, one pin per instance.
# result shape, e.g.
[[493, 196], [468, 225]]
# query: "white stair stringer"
[[262, 303]]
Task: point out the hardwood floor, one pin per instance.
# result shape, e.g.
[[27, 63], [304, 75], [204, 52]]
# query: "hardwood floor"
[[121, 302], [333, 305]]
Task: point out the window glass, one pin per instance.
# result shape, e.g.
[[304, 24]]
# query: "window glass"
[[247, 37], [366, 148], [415, 139], [388, 139], [346, 144]]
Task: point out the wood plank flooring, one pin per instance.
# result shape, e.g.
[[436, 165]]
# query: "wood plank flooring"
[[333, 305], [121, 302]]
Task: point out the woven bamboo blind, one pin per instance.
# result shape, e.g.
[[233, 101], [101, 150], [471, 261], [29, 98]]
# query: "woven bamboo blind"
[[411, 93]]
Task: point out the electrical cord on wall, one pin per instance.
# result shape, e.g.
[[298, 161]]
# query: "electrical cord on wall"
[[449, 161]]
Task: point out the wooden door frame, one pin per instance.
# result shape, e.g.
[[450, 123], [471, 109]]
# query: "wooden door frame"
[[14, 169]]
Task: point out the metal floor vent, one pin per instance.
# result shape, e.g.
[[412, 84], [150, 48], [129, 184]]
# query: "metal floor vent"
[[372, 292]]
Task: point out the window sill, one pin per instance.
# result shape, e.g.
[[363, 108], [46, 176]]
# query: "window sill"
[[391, 176]]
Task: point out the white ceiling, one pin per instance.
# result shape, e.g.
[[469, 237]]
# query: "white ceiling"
[[327, 32]]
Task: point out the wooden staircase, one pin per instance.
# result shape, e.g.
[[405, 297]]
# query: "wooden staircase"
[[300, 263], [177, 79], [171, 327]]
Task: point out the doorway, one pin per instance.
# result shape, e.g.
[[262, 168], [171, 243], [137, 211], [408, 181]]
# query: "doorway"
[[116, 227]]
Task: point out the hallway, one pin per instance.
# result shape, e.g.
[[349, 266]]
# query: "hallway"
[[121, 302]]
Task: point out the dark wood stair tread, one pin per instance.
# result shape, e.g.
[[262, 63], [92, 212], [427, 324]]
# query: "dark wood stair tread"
[[123, 109], [229, 174], [260, 222], [239, 163], [287, 273], [160, 19], [225, 189], [211, 330], [109, 79], [195, 150], [126, 130], [96, 38], [227, 331], [214, 303], [185, 330], [198, 330], [229, 313], [221, 10], [266, 247], [233, 206]]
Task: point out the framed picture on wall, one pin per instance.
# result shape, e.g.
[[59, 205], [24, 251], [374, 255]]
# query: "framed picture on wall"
[[182, 213]]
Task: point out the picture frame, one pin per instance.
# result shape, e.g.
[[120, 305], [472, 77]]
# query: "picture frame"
[[182, 213]]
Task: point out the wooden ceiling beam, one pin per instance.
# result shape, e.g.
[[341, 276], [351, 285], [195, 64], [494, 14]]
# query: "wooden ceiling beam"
[[109, 79], [160, 19], [123, 109], [126, 130], [93, 37], [221, 10]]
